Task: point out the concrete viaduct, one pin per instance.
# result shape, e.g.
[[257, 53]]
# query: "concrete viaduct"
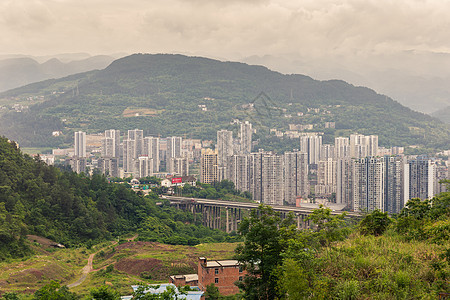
[[213, 211]]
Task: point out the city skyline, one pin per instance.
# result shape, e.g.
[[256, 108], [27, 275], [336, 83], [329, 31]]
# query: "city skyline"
[[388, 46]]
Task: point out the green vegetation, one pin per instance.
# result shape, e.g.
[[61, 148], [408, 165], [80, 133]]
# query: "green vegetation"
[[382, 258], [161, 93]]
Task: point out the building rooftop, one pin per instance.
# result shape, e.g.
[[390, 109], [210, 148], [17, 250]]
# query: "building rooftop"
[[187, 277], [221, 263]]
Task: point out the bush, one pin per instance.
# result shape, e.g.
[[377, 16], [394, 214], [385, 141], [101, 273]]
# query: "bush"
[[375, 223]]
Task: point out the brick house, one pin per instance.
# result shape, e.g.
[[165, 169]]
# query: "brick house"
[[182, 280], [223, 273]]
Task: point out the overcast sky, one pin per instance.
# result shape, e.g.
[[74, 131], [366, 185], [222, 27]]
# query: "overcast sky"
[[354, 40], [224, 28]]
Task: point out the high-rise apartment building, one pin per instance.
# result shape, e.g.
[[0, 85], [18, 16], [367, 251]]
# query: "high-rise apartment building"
[[178, 166], [137, 136], [393, 184], [111, 143], [326, 177], [341, 147], [327, 151], [296, 183], [128, 156], [312, 145], [151, 149], [368, 184], [144, 167], [109, 166], [208, 166], [225, 148], [80, 144], [362, 146], [78, 164], [344, 182], [238, 171], [246, 133], [420, 176], [174, 144], [267, 178]]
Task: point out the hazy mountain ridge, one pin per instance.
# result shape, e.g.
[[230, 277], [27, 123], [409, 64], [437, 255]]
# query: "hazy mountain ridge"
[[443, 114], [170, 89], [417, 79], [19, 71]]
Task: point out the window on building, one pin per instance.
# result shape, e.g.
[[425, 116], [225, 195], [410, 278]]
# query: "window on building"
[[240, 278], [240, 269], [216, 280], [216, 271]]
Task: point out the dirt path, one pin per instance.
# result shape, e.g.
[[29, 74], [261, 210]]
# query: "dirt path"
[[87, 268]]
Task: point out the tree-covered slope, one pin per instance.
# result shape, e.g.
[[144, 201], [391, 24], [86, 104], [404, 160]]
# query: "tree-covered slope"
[[74, 209], [161, 94]]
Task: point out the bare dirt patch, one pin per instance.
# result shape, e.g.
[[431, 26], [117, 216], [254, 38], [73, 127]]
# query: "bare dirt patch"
[[153, 267]]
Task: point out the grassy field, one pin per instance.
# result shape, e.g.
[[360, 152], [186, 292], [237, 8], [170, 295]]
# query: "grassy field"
[[119, 265]]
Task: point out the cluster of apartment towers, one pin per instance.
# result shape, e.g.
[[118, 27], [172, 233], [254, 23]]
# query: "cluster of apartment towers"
[[361, 175]]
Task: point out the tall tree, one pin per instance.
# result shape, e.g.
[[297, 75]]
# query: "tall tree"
[[265, 235]]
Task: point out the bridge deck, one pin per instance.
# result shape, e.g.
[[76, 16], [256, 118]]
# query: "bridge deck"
[[243, 205]]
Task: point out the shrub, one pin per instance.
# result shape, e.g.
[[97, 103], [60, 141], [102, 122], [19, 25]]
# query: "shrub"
[[375, 223]]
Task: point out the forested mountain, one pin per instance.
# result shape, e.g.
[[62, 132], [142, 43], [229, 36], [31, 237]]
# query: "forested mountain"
[[179, 95], [74, 209]]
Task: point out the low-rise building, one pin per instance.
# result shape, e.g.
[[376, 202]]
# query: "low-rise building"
[[223, 273]]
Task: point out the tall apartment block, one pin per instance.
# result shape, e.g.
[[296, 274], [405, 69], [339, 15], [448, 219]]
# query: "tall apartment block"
[[178, 166], [296, 183], [341, 147], [327, 151], [312, 145], [208, 166], [80, 144], [174, 147], [111, 143], [363, 146], [238, 171], [326, 177], [109, 166], [344, 182], [267, 178], [368, 184], [151, 149], [137, 136], [78, 164], [144, 167], [246, 137], [128, 156], [393, 184], [420, 176], [225, 148]]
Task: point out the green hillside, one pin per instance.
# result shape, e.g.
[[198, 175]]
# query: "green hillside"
[[161, 94]]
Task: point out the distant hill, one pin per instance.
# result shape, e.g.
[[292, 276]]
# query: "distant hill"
[[193, 96], [443, 115], [19, 71]]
